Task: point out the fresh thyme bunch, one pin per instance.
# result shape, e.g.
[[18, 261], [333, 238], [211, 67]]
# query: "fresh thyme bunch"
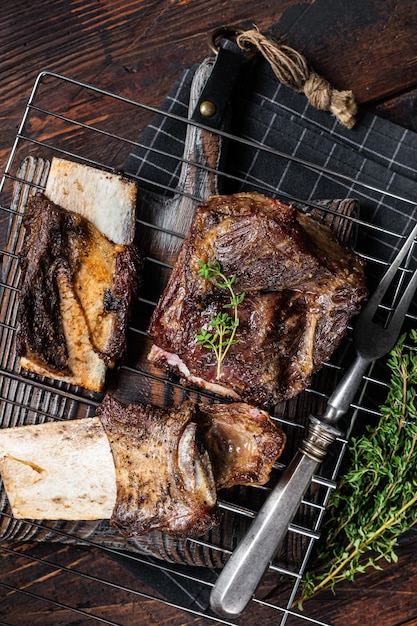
[[376, 499]]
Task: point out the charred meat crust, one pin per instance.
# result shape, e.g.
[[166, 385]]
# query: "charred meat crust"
[[54, 245], [242, 441], [119, 300], [170, 462], [163, 479], [302, 287], [45, 251]]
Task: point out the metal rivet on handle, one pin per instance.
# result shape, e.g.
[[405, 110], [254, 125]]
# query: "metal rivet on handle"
[[207, 108]]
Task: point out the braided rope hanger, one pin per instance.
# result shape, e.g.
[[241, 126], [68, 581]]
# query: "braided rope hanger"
[[293, 71]]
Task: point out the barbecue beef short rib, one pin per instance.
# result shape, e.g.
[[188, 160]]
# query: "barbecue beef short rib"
[[169, 463], [301, 289], [77, 290]]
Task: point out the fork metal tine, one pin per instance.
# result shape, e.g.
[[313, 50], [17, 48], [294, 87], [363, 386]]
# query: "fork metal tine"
[[386, 280], [371, 340], [402, 307]]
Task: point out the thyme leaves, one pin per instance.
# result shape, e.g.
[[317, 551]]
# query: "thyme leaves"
[[221, 330], [376, 499]]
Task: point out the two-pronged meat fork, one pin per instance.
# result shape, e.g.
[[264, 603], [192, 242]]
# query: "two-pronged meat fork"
[[243, 571]]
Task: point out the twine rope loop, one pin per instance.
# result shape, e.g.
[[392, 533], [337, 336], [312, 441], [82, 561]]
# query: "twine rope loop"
[[292, 70]]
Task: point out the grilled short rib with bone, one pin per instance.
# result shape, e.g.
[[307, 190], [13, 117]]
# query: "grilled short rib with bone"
[[146, 468], [301, 289], [169, 463], [64, 259], [80, 274]]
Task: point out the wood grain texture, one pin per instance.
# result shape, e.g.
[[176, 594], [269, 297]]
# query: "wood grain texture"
[[137, 48]]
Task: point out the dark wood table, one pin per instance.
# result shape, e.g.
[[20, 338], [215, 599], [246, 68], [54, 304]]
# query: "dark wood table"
[[137, 49]]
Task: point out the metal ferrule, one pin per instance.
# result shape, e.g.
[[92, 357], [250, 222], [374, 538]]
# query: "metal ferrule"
[[318, 439]]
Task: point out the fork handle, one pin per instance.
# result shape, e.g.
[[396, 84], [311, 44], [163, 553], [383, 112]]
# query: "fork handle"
[[339, 402], [246, 566]]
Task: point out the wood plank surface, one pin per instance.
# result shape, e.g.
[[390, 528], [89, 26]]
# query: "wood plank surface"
[[137, 48]]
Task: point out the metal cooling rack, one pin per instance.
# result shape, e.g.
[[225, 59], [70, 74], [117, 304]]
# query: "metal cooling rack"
[[47, 130]]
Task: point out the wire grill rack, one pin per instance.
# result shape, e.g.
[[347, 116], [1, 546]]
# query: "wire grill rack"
[[47, 130]]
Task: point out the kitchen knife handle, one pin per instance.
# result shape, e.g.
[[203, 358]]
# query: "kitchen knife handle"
[[243, 571]]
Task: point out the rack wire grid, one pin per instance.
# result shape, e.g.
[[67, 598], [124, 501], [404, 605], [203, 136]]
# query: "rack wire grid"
[[47, 130]]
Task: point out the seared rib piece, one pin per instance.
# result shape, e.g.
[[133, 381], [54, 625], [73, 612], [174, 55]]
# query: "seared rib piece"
[[77, 290], [302, 288], [146, 468], [242, 441], [163, 477]]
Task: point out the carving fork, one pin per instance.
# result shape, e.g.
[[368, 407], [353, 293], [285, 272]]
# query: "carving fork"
[[247, 564]]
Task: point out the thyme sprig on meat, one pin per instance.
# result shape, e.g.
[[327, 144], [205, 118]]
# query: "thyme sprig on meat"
[[221, 330], [376, 499]]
